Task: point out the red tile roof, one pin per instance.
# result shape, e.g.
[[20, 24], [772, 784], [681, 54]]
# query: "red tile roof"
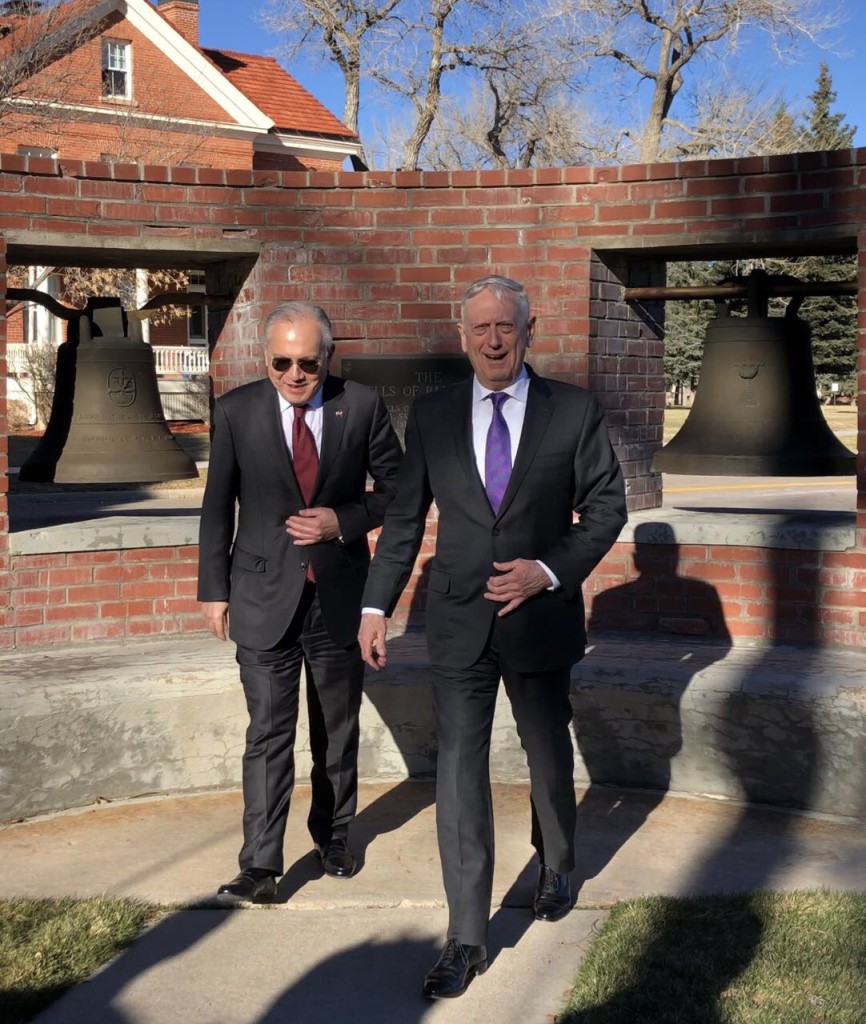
[[277, 94]]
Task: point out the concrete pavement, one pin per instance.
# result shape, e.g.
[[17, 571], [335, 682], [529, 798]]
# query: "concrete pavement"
[[332, 950]]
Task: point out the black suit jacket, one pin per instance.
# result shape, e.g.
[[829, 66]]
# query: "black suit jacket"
[[564, 464], [254, 565]]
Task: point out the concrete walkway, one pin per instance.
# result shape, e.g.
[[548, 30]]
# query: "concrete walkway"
[[332, 951]]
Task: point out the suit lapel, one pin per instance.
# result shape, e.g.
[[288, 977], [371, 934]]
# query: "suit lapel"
[[273, 447], [539, 409], [457, 430], [335, 413]]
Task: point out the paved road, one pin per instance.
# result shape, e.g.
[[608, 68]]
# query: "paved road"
[[769, 494]]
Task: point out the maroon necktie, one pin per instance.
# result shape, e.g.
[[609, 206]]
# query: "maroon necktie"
[[305, 459]]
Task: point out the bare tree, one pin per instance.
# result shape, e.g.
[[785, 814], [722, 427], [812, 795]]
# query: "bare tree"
[[337, 30], [431, 39], [501, 125], [657, 40], [34, 372], [34, 37], [728, 118]]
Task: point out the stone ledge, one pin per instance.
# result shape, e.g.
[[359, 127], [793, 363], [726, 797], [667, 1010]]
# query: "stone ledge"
[[805, 530], [781, 726], [110, 533], [775, 725], [811, 531]]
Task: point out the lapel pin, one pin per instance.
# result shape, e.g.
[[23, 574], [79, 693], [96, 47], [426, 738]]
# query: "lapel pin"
[[338, 412]]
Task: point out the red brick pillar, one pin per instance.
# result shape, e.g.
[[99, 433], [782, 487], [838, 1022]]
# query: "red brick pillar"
[[6, 635], [626, 350], [861, 395], [236, 345]]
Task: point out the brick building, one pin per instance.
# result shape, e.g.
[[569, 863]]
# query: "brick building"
[[127, 81]]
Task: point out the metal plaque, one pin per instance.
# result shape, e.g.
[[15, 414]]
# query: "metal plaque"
[[401, 379]]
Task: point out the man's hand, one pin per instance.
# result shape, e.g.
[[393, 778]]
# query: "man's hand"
[[216, 615], [313, 526], [371, 637], [519, 580]]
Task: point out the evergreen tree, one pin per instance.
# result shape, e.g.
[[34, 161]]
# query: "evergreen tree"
[[686, 326], [824, 129], [832, 319]]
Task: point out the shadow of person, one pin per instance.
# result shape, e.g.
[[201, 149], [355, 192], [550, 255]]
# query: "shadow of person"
[[398, 742], [98, 998], [403, 741], [373, 981], [763, 729], [628, 730]]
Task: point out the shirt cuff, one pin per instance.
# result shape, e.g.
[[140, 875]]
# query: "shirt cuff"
[[554, 579], [373, 611]]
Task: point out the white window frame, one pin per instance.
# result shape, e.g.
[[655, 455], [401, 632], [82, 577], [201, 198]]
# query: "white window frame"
[[116, 60], [196, 283], [41, 151]]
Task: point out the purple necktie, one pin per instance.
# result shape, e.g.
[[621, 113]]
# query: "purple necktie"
[[497, 456]]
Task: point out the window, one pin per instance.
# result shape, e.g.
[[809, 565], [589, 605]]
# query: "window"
[[115, 69], [43, 151], [197, 314]]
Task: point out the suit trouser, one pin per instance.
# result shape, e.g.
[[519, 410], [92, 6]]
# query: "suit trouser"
[[271, 682], [465, 703]]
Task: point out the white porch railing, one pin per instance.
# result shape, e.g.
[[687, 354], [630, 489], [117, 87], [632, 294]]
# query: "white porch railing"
[[170, 360], [180, 359]]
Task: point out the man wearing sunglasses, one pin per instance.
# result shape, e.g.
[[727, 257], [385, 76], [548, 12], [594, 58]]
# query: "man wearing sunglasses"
[[283, 577]]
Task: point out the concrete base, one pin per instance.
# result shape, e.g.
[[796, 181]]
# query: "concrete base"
[[782, 726]]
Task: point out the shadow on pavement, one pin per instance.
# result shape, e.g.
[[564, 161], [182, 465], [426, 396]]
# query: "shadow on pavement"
[[741, 862]]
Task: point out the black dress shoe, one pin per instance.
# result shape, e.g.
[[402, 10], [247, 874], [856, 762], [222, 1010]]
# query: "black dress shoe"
[[454, 969], [252, 885], [553, 895], [336, 857]]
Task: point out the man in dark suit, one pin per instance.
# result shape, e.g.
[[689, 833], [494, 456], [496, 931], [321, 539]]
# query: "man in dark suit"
[[293, 452], [508, 457]]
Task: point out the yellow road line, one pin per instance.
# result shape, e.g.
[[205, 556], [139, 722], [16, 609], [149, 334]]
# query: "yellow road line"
[[756, 487]]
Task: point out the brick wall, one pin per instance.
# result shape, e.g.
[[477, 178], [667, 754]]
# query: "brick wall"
[[388, 254], [767, 595], [7, 635], [183, 16], [99, 595], [157, 83]]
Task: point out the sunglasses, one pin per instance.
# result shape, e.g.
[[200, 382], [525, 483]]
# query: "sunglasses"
[[283, 363]]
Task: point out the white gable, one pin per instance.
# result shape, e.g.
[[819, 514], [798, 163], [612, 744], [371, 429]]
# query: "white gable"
[[198, 68]]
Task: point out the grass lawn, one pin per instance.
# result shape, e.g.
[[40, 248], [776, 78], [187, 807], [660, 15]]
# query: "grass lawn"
[[797, 958], [48, 945]]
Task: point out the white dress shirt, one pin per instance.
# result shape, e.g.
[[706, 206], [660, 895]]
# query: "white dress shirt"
[[313, 417], [513, 412]]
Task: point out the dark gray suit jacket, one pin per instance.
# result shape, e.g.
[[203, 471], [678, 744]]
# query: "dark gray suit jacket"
[[255, 566], [564, 463]]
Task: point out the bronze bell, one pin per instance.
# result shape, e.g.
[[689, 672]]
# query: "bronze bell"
[[756, 410], [107, 423]]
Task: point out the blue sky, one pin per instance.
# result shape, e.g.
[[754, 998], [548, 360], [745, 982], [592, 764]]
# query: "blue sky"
[[227, 24]]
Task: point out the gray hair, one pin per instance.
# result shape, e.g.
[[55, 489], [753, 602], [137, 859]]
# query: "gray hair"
[[502, 288], [290, 312]]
